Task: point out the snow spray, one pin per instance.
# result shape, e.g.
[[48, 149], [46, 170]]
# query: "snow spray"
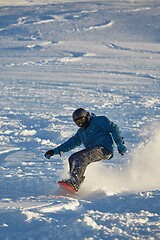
[[141, 173]]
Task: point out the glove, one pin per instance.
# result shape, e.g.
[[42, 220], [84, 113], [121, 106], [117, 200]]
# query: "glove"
[[121, 148], [49, 154]]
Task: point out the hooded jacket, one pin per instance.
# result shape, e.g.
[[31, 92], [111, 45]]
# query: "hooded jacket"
[[100, 132]]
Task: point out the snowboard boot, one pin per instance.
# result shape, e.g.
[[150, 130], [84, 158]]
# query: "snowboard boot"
[[73, 183]]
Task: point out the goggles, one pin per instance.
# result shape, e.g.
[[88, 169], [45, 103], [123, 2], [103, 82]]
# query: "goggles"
[[79, 121]]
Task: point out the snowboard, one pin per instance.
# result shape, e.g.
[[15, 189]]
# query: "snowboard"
[[66, 186]]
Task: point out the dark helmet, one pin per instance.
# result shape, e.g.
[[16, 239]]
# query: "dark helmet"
[[78, 113], [80, 117]]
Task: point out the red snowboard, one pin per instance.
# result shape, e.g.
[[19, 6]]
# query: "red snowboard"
[[66, 186]]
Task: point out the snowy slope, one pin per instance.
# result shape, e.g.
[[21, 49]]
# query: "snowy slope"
[[57, 56]]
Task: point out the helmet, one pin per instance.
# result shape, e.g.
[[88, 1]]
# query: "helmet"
[[78, 113], [80, 116]]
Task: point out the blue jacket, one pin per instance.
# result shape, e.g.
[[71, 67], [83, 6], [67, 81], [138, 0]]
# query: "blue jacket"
[[101, 132]]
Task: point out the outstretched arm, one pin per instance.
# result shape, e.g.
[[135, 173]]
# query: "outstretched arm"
[[70, 144]]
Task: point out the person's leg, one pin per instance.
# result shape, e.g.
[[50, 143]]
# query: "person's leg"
[[80, 160]]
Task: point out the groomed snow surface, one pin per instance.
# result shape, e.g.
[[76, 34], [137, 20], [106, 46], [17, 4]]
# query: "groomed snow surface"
[[57, 56]]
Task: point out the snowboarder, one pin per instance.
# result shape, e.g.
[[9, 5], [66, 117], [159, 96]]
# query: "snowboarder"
[[96, 133]]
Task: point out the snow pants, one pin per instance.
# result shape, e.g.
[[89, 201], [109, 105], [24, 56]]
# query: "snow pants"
[[79, 161]]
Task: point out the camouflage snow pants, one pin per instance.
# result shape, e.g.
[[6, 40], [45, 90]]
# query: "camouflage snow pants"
[[79, 161]]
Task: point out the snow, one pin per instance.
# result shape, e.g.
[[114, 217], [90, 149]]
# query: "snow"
[[57, 56]]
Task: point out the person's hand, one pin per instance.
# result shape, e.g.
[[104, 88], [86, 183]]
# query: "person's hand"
[[49, 154], [121, 148]]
